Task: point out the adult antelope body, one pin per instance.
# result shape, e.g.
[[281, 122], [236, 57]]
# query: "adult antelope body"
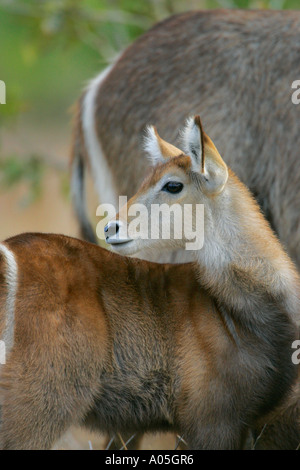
[[237, 68], [121, 344]]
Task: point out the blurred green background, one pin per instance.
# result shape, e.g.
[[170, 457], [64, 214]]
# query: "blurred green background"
[[49, 49]]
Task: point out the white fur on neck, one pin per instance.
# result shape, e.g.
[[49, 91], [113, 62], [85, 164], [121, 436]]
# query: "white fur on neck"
[[229, 243]]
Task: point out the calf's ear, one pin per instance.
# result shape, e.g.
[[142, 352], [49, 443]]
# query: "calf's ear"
[[158, 150], [206, 160]]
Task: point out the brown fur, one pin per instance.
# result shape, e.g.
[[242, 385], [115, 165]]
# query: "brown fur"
[[181, 161], [119, 344], [280, 430]]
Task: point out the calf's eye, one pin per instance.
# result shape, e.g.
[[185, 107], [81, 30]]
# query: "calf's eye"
[[173, 187]]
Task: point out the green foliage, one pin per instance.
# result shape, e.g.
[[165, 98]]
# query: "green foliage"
[[13, 107], [49, 48], [14, 170], [105, 25]]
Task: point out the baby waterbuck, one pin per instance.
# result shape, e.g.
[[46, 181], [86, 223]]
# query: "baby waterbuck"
[[238, 67], [241, 263], [125, 345]]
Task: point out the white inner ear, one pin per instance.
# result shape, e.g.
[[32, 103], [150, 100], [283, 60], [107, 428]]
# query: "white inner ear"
[[191, 141], [151, 147]]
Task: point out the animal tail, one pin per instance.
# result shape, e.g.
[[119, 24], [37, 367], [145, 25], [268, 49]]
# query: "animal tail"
[[78, 181], [87, 151]]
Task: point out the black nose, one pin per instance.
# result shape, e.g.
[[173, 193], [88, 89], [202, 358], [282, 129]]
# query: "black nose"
[[112, 228]]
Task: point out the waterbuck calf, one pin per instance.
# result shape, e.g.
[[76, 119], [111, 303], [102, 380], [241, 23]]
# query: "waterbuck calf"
[[236, 67], [125, 345], [241, 262]]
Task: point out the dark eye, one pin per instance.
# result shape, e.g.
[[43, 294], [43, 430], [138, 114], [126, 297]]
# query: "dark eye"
[[173, 187]]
